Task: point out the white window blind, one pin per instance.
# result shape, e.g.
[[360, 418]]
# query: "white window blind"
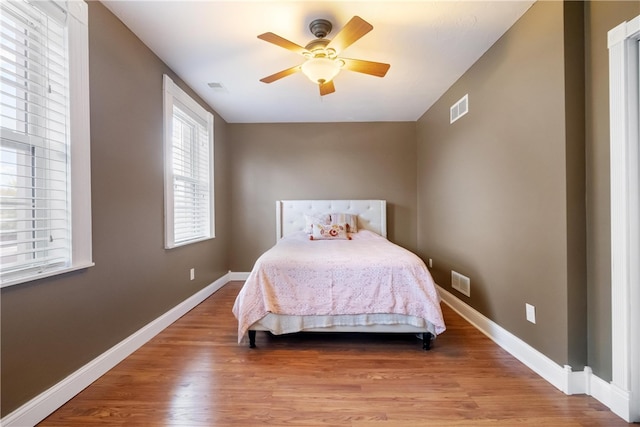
[[188, 169], [35, 166]]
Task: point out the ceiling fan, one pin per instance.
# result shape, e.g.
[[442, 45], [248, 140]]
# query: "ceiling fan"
[[323, 62]]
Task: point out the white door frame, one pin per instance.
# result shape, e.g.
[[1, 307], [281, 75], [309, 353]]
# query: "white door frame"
[[624, 96]]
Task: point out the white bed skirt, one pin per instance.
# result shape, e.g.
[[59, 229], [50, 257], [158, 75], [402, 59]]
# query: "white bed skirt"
[[382, 323]]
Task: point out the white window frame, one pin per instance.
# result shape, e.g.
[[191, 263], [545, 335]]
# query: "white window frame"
[[79, 142], [174, 95]]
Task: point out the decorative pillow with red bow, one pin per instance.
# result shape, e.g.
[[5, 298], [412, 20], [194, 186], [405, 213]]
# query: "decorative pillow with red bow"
[[329, 232]]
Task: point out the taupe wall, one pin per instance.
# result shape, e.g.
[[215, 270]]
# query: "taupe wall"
[[52, 327], [318, 161], [576, 234], [600, 17], [493, 187], [512, 197]]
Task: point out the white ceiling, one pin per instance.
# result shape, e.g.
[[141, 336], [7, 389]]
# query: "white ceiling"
[[429, 45]]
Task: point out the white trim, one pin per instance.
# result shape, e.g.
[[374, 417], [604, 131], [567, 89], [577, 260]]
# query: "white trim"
[[577, 382], [600, 389], [235, 275], [48, 274], [48, 401], [561, 377], [625, 218], [82, 254], [78, 10]]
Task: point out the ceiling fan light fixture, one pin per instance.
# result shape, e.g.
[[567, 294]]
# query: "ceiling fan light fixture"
[[321, 70], [322, 62]]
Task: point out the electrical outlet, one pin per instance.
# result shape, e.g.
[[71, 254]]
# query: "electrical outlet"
[[192, 273], [531, 313]]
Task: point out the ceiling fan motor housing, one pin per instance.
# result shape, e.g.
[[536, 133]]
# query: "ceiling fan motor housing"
[[320, 28]]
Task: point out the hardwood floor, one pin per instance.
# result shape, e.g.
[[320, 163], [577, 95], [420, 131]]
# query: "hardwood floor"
[[194, 374]]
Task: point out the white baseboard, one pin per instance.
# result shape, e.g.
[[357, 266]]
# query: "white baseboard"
[[600, 389], [563, 378], [238, 275], [48, 401]]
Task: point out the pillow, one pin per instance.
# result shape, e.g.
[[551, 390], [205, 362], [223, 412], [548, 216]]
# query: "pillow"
[[329, 232], [350, 219], [315, 218]]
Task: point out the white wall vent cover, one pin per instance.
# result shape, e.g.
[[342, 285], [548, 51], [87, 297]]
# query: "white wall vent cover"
[[461, 283], [460, 108]]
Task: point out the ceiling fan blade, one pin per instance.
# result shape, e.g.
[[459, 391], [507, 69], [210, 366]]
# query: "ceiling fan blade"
[[277, 76], [378, 69], [355, 28], [282, 42], [327, 88]]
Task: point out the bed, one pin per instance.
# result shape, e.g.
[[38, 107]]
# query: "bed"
[[332, 269]]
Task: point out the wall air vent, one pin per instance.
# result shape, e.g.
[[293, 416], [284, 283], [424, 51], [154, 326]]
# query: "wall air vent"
[[461, 283], [460, 108]]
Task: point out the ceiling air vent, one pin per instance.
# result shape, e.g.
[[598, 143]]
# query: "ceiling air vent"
[[217, 86], [460, 108]]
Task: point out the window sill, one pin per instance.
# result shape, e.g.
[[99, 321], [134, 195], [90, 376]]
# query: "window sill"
[[188, 242], [46, 274]]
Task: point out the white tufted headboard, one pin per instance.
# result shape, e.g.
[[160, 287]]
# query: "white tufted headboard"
[[372, 214]]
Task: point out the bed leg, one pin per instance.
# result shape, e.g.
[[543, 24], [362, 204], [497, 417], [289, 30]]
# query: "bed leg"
[[426, 341], [252, 339]]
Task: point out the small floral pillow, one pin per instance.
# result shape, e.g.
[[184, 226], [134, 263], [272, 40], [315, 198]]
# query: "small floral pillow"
[[329, 232]]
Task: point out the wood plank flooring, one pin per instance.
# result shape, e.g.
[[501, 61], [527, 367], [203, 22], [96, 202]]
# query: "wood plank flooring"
[[195, 374]]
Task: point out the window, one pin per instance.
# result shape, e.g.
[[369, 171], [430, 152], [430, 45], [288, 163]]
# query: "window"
[[188, 153], [45, 203]]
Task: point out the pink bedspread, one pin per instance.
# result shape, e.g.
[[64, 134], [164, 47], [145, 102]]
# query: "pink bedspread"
[[367, 274]]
